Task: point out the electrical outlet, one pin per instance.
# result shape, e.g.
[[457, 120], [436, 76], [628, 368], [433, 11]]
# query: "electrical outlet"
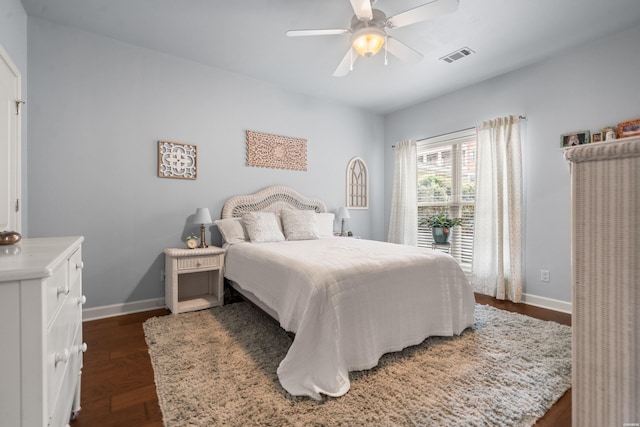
[[544, 276]]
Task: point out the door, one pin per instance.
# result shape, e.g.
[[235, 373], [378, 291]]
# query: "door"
[[9, 144]]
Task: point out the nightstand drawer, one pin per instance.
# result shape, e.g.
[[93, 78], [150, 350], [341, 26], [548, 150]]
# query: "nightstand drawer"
[[198, 262]]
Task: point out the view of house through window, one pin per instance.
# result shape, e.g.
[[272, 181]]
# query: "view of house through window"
[[446, 184]]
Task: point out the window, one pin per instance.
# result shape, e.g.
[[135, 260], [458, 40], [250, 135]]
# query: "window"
[[446, 184]]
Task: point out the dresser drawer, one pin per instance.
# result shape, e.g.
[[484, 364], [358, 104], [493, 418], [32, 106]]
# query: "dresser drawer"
[[198, 262], [61, 404], [75, 300], [56, 290], [75, 266], [64, 330], [59, 352]]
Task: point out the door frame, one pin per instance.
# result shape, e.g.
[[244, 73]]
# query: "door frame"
[[15, 193]]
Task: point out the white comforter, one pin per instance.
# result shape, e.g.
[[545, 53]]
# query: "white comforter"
[[349, 301]]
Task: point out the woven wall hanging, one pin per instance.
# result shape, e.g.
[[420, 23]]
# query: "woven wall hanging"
[[275, 151]]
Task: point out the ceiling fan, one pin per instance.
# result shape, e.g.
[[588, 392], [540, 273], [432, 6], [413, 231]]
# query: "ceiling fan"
[[369, 31]]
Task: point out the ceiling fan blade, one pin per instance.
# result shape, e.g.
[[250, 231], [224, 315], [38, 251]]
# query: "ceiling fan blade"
[[422, 13], [346, 64], [362, 9], [303, 33], [402, 51]]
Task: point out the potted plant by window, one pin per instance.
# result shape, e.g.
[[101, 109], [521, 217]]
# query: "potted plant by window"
[[441, 225]]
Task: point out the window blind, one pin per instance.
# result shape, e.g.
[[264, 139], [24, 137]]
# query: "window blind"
[[446, 184]]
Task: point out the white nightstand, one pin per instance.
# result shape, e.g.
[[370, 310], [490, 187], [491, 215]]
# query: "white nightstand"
[[194, 278]]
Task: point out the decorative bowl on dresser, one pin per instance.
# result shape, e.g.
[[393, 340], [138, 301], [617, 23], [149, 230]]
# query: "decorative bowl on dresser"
[[9, 237], [41, 332]]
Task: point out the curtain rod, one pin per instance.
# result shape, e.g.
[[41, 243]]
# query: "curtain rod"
[[442, 134], [461, 130]]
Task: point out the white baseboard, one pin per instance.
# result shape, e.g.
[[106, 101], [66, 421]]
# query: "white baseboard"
[[153, 304], [95, 313], [549, 303]]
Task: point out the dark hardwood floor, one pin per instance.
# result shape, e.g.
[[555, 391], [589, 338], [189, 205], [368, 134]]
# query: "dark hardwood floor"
[[118, 387]]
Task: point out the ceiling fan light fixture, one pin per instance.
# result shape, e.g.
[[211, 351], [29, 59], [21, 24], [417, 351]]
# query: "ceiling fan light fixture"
[[368, 41]]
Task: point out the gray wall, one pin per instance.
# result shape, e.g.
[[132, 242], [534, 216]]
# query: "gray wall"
[[13, 39], [587, 88], [98, 108]]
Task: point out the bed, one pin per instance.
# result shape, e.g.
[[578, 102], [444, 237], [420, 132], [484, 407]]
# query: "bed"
[[347, 300]]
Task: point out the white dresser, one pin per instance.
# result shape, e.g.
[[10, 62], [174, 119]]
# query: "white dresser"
[[40, 331]]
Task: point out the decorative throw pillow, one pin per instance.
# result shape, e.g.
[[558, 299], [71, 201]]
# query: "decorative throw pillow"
[[232, 230], [262, 227], [325, 224], [300, 225]]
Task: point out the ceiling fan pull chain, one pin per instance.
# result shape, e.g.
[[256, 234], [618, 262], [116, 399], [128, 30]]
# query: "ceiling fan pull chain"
[[386, 43]]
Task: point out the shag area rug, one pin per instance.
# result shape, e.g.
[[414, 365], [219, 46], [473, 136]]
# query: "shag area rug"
[[218, 368]]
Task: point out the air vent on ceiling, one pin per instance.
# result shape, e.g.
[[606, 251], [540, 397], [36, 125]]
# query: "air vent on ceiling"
[[458, 54]]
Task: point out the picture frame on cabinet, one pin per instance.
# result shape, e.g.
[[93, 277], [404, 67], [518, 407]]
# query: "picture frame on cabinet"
[[575, 138], [596, 137], [608, 134], [630, 128]]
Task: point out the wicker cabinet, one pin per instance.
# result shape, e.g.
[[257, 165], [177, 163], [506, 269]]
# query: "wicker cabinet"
[[605, 188]]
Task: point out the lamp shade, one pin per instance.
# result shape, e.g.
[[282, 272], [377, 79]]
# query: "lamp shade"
[[202, 216], [368, 41], [343, 213]]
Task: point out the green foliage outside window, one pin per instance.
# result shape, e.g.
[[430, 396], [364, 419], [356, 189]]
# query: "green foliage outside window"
[[434, 188]]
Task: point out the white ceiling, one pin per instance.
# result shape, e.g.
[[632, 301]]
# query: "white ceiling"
[[248, 37]]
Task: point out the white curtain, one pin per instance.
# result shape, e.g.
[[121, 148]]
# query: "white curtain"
[[497, 245], [403, 221]]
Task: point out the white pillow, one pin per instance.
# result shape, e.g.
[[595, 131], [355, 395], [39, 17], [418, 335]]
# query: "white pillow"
[[232, 230], [325, 224], [262, 227], [299, 225]]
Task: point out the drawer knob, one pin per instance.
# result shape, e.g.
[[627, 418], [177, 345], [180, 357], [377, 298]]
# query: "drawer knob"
[[64, 357], [63, 290], [82, 300], [79, 265], [82, 347]]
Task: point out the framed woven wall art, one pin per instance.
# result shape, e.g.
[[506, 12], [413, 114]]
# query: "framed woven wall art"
[[177, 160], [275, 151]]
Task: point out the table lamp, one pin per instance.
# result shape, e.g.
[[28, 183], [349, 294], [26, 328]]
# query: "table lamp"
[[343, 213], [202, 217]]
